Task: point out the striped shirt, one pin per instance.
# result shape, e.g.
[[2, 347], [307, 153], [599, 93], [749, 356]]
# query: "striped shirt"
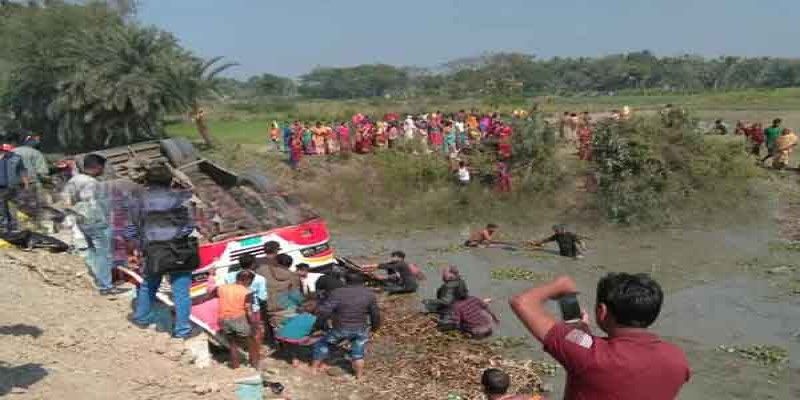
[[472, 314]]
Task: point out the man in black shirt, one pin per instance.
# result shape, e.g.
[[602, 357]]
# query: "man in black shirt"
[[400, 279], [569, 243]]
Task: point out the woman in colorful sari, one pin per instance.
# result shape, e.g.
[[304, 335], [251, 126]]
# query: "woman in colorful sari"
[[422, 130], [409, 127], [297, 130], [450, 138], [275, 135], [343, 132], [308, 141], [359, 142], [472, 122], [393, 134], [319, 139], [380, 134], [585, 142], [462, 137], [503, 184], [367, 138], [474, 137], [435, 136], [755, 136], [484, 124], [331, 139], [571, 129], [295, 151], [784, 145], [504, 133]]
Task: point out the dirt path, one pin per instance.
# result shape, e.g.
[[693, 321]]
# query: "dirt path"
[[69, 343]]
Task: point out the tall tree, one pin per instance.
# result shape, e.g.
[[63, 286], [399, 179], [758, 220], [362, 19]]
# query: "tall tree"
[[88, 78]]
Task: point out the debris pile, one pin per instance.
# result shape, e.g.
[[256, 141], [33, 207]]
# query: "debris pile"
[[413, 359]]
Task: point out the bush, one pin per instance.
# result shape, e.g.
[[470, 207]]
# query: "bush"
[[651, 172]]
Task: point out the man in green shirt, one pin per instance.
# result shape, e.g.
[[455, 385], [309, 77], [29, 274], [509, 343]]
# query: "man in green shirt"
[[771, 134], [34, 161]]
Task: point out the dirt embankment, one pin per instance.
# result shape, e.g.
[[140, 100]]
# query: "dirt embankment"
[[60, 340]]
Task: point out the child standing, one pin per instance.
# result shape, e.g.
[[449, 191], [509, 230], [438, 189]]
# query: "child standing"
[[463, 173], [236, 317]]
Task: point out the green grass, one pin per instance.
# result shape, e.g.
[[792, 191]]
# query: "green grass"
[[765, 100], [247, 123], [231, 132]]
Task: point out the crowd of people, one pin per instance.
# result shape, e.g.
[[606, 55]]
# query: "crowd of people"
[[452, 135], [433, 132], [276, 301], [778, 140]]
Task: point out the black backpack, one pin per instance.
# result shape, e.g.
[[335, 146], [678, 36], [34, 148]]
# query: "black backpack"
[[179, 254]]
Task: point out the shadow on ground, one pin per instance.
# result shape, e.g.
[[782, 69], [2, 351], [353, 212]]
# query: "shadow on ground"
[[21, 376], [21, 330]]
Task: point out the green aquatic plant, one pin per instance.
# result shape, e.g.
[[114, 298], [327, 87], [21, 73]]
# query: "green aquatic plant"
[[519, 274], [763, 354]]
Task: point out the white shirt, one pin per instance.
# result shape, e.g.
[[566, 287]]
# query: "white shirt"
[[310, 282], [87, 196], [463, 174], [459, 126], [410, 124]]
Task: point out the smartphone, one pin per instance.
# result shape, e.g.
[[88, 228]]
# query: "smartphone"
[[570, 309]]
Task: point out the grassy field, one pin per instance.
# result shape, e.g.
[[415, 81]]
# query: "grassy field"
[[248, 123]]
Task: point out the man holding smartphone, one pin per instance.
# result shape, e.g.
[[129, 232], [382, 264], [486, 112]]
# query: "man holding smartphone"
[[631, 363]]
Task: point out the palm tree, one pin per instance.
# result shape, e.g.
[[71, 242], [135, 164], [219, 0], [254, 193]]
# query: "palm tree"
[[196, 83], [117, 88], [110, 85]]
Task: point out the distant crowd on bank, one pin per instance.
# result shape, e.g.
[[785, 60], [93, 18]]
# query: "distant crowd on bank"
[[436, 132], [779, 141]]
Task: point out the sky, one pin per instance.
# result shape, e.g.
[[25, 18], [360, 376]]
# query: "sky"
[[291, 37]]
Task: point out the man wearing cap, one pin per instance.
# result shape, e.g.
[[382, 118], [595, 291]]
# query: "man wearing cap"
[[13, 177]]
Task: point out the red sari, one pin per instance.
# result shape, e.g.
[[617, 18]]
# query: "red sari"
[[364, 139], [503, 184], [344, 137], [585, 143], [296, 151], [504, 144]]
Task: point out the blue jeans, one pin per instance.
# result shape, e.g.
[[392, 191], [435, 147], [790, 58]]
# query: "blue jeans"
[[8, 219], [98, 255], [358, 343], [180, 282]]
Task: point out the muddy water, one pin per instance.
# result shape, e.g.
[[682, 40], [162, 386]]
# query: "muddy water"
[[718, 292]]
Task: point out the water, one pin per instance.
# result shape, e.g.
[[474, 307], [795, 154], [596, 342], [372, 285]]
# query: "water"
[[717, 292]]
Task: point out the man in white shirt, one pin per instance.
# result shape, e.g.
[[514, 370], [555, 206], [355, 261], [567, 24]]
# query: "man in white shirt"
[[88, 200], [308, 279]]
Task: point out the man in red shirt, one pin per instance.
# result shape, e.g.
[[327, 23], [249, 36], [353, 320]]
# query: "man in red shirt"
[[631, 363]]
